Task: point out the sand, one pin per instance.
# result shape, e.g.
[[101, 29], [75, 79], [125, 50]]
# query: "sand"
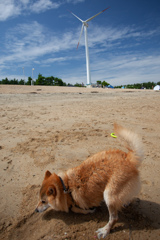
[[55, 128]]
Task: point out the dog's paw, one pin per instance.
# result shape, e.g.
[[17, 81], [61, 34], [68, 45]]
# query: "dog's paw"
[[102, 232]]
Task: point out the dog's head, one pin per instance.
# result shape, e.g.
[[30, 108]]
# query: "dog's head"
[[48, 193]]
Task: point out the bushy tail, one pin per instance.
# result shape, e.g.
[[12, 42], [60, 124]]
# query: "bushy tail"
[[134, 143]]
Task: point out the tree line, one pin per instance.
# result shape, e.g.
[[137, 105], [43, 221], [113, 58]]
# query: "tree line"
[[145, 85], [54, 81], [41, 80]]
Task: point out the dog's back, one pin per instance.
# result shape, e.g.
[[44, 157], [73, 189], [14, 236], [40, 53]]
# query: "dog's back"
[[113, 167]]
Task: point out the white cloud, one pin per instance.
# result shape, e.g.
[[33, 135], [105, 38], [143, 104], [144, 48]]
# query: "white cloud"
[[8, 9], [75, 1], [43, 5], [35, 40], [13, 8], [109, 36], [56, 59], [28, 42]]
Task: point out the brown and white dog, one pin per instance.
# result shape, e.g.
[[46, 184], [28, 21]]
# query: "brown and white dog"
[[111, 176]]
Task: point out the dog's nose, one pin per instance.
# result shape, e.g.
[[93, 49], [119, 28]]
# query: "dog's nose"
[[36, 210]]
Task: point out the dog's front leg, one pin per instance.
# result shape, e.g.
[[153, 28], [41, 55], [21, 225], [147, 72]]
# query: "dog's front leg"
[[83, 211]]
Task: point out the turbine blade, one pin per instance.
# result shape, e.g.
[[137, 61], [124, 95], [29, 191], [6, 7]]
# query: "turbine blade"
[[89, 19], [80, 35], [76, 16]]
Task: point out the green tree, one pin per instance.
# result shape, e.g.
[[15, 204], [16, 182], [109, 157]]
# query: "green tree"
[[104, 83], [99, 82], [70, 85], [40, 80], [21, 82], [79, 85], [5, 81], [50, 81], [14, 82], [29, 81], [58, 82]]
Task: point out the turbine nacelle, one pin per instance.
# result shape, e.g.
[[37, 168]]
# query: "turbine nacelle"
[[85, 24]]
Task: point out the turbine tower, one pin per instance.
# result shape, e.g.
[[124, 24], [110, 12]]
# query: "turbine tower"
[[85, 26]]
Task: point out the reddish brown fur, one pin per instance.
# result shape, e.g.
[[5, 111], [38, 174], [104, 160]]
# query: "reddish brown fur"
[[109, 175]]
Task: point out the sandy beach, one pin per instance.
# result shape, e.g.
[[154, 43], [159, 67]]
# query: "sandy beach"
[[55, 128]]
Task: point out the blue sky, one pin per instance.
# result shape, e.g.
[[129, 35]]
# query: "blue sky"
[[124, 41]]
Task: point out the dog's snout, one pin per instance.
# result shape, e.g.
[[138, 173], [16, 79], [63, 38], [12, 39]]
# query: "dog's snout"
[[36, 210]]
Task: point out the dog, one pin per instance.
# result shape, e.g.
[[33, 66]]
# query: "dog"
[[111, 176]]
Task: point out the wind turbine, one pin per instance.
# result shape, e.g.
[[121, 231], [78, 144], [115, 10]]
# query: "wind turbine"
[[85, 26]]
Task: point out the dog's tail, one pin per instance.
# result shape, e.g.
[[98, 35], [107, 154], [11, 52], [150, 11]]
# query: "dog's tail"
[[134, 143]]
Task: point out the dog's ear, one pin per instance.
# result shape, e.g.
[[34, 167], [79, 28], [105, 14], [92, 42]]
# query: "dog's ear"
[[47, 174], [51, 191]]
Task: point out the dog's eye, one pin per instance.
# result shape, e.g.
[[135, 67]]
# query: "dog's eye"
[[43, 202]]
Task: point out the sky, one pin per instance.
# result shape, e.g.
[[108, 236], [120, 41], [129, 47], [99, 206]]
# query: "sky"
[[124, 41]]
